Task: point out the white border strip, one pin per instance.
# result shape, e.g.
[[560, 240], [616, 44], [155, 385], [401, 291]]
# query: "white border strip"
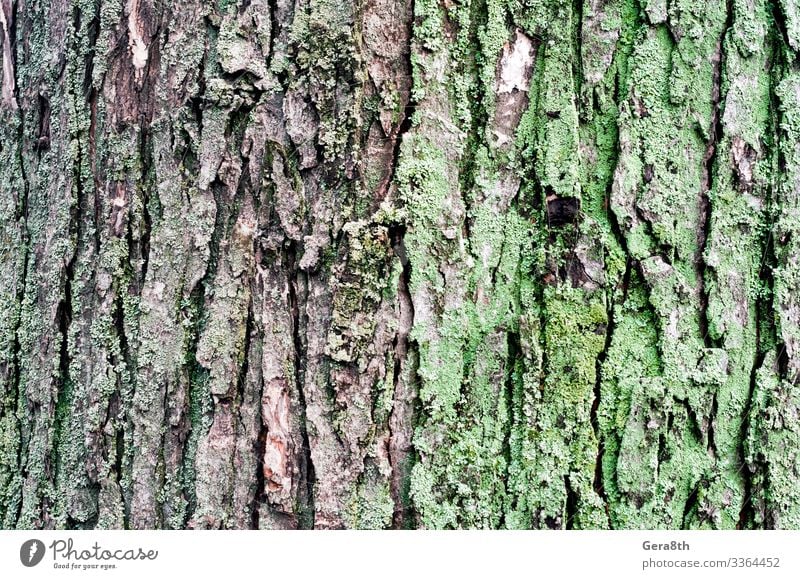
[[402, 554]]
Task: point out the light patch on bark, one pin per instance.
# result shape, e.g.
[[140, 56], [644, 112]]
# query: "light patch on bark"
[[8, 59], [515, 66], [513, 82], [139, 50]]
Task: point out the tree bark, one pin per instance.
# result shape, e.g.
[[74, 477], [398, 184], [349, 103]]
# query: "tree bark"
[[400, 264]]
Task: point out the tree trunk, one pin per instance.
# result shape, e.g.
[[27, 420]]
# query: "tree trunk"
[[400, 263]]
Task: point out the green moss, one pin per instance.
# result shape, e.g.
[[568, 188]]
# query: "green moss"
[[371, 505], [555, 447]]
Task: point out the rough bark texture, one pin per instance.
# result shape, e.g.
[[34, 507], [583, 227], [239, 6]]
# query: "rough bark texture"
[[400, 263]]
